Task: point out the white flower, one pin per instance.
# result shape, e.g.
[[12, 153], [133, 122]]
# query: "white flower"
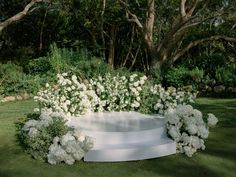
[[158, 106], [36, 110], [136, 84], [174, 133], [189, 151], [192, 129], [172, 118], [33, 132], [66, 138], [64, 74], [203, 131], [211, 120]]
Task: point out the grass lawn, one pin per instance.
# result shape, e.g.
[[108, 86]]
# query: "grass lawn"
[[218, 160]]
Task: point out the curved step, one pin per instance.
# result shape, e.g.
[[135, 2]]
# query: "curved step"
[[131, 151], [106, 138]]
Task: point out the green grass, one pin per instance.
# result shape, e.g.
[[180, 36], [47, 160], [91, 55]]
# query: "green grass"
[[218, 160]]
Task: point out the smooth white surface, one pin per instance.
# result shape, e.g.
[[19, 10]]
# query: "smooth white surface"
[[124, 136], [117, 121]]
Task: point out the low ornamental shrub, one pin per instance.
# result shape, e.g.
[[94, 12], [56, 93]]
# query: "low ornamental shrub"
[[45, 136], [109, 93], [186, 126]]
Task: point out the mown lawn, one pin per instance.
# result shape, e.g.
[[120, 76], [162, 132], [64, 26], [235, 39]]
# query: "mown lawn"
[[218, 160]]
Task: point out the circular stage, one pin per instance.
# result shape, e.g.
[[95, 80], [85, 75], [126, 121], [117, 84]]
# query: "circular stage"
[[124, 136]]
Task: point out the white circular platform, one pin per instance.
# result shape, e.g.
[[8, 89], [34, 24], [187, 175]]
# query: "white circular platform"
[[124, 136]]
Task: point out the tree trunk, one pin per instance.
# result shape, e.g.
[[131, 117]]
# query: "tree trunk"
[[111, 52]]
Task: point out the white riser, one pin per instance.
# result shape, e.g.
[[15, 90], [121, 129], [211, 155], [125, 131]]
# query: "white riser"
[[104, 138], [130, 152]]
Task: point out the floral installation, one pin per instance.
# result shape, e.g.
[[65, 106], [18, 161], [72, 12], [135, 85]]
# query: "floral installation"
[[119, 93], [48, 137], [70, 97], [186, 126], [170, 98], [100, 94], [109, 93], [69, 148]]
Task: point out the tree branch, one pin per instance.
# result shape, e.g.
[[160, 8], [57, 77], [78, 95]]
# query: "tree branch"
[[129, 14], [200, 41], [192, 9], [182, 8], [19, 15]]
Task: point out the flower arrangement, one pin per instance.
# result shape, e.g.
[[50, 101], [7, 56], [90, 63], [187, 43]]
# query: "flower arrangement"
[[186, 126], [69, 148], [110, 93], [47, 137], [100, 94], [119, 92], [170, 98], [71, 97]]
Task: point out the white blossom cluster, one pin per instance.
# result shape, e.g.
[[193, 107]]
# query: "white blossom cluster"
[[119, 92], [69, 96], [69, 148], [170, 98], [187, 127], [101, 94], [45, 119]]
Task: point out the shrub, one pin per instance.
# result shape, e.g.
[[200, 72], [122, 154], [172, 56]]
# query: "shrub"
[[12, 79], [46, 137], [109, 93], [69, 148], [37, 66], [186, 126], [106, 93], [197, 74], [178, 77], [37, 132], [225, 75]]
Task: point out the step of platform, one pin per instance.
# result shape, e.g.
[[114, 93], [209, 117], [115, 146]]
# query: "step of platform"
[[131, 151], [124, 136], [106, 138]]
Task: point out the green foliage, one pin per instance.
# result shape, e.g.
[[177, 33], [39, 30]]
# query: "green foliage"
[[178, 77], [38, 66], [225, 75], [146, 103], [37, 146], [197, 74], [12, 79]]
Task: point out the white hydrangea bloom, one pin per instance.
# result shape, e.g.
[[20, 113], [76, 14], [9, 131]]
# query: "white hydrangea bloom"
[[69, 147], [211, 120], [189, 151], [192, 129], [203, 131], [174, 133], [66, 138], [190, 124]]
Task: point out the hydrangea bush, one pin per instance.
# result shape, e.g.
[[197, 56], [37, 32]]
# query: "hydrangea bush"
[[69, 148], [119, 92], [46, 136], [186, 126], [170, 98], [110, 93]]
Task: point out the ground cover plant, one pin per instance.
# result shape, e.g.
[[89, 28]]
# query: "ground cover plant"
[[218, 159]]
